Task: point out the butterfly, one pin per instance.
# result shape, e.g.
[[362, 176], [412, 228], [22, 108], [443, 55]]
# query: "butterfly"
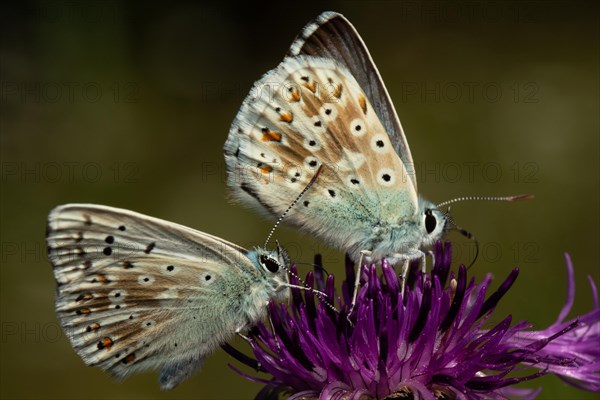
[[138, 293], [326, 106]]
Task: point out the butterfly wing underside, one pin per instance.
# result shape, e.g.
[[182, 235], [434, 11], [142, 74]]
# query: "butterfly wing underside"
[[332, 36], [311, 112], [137, 293]]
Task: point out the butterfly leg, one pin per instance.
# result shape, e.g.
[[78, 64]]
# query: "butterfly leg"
[[319, 294], [424, 262], [430, 253], [274, 334], [240, 334], [363, 253], [407, 258], [423, 257], [404, 274]]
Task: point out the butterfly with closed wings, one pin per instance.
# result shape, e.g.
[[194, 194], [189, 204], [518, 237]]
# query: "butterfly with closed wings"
[[138, 293], [325, 105]]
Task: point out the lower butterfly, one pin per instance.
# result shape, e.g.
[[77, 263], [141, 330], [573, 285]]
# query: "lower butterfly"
[[138, 293]]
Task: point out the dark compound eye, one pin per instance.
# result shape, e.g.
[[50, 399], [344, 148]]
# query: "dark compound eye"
[[430, 221], [269, 263]]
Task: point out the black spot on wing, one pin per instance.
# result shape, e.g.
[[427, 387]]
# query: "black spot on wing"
[[150, 247]]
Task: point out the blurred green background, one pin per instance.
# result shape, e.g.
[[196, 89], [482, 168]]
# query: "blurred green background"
[[129, 103]]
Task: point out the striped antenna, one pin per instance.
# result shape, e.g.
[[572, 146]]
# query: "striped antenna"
[[488, 198], [312, 181], [466, 233], [322, 296]]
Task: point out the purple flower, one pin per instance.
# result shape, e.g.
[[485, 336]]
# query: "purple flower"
[[435, 343]]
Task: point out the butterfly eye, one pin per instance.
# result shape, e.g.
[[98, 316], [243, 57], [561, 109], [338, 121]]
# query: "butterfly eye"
[[269, 263], [430, 221]]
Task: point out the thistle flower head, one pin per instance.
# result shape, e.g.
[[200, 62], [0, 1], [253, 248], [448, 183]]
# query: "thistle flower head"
[[435, 342]]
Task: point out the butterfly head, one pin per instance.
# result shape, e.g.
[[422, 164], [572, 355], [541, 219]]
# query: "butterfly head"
[[273, 264], [434, 224]]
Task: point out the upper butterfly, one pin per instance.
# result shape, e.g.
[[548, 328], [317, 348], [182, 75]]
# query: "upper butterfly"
[[326, 104]]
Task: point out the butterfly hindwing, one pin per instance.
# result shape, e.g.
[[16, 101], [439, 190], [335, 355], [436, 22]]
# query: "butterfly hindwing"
[[305, 113], [137, 293]]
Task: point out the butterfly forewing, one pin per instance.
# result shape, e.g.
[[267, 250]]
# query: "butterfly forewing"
[[136, 293], [332, 36]]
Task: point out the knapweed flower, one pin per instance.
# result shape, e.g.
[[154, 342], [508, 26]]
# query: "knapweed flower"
[[434, 343]]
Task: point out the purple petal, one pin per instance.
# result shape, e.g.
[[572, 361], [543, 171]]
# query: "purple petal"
[[570, 291], [434, 339]]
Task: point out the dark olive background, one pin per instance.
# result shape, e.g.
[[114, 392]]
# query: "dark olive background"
[[128, 104]]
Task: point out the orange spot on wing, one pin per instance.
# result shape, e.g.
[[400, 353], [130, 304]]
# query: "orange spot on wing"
[[87, 296], [95, 326], [312, 86], [270, 136], [362, 101], [265, 169], [129, 358], [286, 117], [295, 95], [105, 343], [338, 91]]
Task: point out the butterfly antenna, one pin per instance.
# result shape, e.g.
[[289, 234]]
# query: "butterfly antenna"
[[318, 293], [488, 198], [322, 296], [466, 233], [312, 181]]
